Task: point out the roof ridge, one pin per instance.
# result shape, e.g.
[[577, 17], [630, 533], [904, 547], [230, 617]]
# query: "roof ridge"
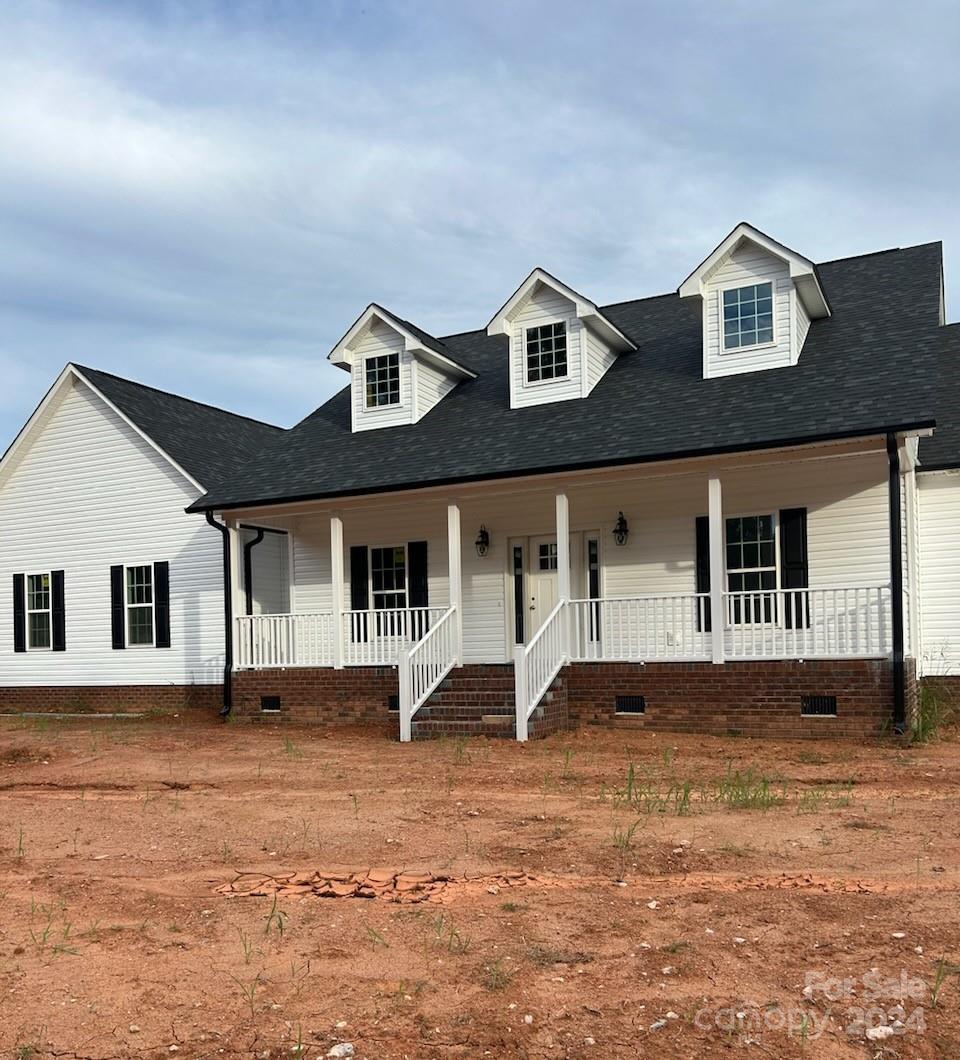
[[878, 253], [179, 397]]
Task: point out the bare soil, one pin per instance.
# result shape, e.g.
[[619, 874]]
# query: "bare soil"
[[473, 898]]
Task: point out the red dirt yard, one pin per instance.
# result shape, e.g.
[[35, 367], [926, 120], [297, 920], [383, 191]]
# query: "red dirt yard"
[[597, 894]]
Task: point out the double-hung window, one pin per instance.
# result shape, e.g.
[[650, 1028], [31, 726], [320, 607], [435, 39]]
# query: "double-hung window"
[[546, 352], [747, 316], [752, 567], [388, 577], [381, 379], [39, 611], [140, 611]]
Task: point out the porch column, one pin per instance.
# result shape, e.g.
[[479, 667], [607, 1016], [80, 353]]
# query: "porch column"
[[563, 547], [455, 575], [236, 568], [336, 587], [717, 567]]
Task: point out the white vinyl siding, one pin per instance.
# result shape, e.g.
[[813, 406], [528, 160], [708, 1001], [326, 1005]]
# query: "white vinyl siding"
[[379, 339], [599, 359], [270, 576], [88, 492], [845, 498], [544, 306], [939, 575], [748, 265], [431, 387]]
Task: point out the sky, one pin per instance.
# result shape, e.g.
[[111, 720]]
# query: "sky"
[[204, 196]]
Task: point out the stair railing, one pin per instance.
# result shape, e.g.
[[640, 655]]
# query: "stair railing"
[[537, 664], [425, 665]]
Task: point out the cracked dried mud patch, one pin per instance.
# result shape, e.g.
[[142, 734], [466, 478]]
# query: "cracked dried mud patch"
[[463, 900]]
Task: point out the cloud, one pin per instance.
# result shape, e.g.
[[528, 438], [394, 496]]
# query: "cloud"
[[203, 196]]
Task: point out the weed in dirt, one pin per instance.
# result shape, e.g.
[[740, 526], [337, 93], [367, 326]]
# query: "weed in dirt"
[[747, 790], [509, 907], [246, 945], [226, 852], [249, 991], [20, 847], [356, 805], [812, 800], [375, 938], [676, 947], [866, 826], [812, 758], [933, 713], [545, 955], [447, 934], [945, 970], [567, 759], [276, 921], [299, 974], [623, 842], [290, 749], [460, 756], [496, 977]]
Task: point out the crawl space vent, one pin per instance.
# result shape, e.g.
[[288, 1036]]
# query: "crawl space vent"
[[818, 706], [270, 704], [631, 705], [393, 702]]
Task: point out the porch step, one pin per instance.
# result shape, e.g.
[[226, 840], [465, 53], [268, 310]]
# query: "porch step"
[[472, 701]]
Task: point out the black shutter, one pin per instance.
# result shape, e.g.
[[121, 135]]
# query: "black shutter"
[[793, 567], [117, 610], [418, 592], [161, 602], [703, 572], [359, 591], [19, 614], [58, 612], [519, 614]]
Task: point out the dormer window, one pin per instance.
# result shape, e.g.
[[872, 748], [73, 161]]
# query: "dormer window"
[[382, 380], [748, 316], [547, 352]]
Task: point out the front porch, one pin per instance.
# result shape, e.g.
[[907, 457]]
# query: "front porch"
[[780, 573]]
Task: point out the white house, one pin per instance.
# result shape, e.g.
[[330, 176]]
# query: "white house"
[[706, 510]]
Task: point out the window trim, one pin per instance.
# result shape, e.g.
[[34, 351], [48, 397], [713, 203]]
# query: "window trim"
[[28, 611], [406, 578], [737, 286], [363, 381], [525, 369], [778, 617], [128, 643]]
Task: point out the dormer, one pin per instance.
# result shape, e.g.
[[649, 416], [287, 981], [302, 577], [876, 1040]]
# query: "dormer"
[[561, 345], [398, 372], [757, 298]]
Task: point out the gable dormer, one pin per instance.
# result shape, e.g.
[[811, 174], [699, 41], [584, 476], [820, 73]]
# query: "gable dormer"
[[560, 344], [757, 298], [398, 372]]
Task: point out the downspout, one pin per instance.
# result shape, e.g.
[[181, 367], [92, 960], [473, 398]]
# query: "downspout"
[[896, 584], [227, 617], [248, 568]]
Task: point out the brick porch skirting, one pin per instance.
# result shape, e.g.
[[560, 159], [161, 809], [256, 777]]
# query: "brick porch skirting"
[[759, 698], [108, 699], [355, 695]]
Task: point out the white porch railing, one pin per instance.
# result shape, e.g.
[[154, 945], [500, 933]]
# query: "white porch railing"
[[379, 638], [848, 622], [666, 628], [425, 665], [284, 640], [370, 638], [538, 663]]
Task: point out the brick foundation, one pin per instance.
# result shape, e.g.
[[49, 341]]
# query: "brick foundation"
[[748, 698], [110, 699], [356, 695]]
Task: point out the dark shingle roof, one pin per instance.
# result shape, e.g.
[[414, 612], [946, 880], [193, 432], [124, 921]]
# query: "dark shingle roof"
[[943, 449], [210, 444], [871, 367]]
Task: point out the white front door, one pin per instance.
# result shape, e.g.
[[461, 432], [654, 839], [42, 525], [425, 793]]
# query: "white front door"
[[542, 582]]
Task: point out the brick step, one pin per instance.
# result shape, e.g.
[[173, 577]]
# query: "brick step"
[[431, 730], [451, 714]]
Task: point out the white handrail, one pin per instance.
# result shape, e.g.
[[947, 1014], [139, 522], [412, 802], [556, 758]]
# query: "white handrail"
[[843, 622], [425, 665], [667, 627], [273, 641], [537, 664], [380, 637]]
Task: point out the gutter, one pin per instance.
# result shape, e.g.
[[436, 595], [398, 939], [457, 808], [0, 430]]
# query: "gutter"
[[227, 617], [896, 584]]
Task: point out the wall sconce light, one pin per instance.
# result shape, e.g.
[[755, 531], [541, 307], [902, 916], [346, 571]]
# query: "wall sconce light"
[[483, 541], [620, 530]]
